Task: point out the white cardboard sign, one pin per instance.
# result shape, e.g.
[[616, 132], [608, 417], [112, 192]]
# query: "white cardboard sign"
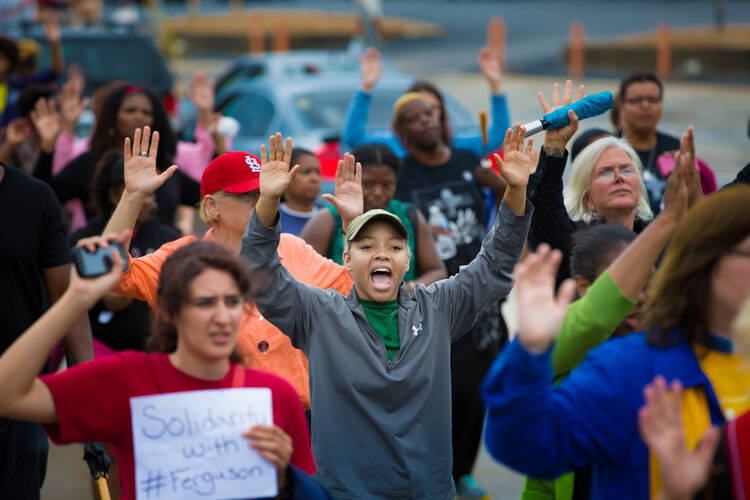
[[189, 445]]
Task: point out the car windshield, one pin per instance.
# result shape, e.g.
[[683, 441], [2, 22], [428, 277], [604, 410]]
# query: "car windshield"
[[327, 109]]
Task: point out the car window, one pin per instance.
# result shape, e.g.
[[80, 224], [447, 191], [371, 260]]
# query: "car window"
[[239, 74], [253, 111], [327, 109], [105, 60]]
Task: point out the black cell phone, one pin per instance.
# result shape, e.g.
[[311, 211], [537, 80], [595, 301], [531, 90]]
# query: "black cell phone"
[[91, 265]]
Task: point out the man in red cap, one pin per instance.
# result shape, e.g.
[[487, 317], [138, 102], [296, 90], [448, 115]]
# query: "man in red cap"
[[229, 192]]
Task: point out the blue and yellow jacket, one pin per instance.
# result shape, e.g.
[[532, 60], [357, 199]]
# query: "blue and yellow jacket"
[[590, 419]]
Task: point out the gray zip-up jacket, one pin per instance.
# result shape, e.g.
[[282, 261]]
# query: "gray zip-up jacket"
[[382, 429]]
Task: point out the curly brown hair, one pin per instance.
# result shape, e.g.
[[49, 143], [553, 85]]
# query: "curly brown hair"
[[679, 293], [172, 292]]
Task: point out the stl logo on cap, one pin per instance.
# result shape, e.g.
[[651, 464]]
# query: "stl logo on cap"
[[252, 163]]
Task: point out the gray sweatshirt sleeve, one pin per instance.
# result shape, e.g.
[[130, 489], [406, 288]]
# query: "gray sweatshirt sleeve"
[[280, 298], [487, 278]]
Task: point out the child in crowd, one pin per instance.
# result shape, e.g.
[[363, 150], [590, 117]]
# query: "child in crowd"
[[298, 206], [380, 361]]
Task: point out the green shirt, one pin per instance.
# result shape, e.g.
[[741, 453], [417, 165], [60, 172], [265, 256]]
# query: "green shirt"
[[383, 318]]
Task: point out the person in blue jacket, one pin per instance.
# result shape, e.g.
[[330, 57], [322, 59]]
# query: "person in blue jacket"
[[590, 419], [354, 133]]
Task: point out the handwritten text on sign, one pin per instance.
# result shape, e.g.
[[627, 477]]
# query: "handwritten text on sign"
[[189, 445]]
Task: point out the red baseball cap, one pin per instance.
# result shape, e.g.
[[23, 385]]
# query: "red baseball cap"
[[234, 172]]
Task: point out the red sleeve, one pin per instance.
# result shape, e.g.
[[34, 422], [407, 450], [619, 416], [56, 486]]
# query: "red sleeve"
[[89, 400], [290, 416]]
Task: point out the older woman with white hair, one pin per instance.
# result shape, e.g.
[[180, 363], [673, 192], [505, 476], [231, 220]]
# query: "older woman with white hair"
[[606, 185]]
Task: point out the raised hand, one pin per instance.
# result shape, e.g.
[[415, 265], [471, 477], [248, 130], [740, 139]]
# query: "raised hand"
[[273, 444], [51, 30], [16, 132], [685, 160], [71, 103], [683, 472], [275, 174], [141, 175], [518, 163], [202, 95], [540, 313], [371, 67], [347, 197], [489, 64], [47, 123], [558, 138]]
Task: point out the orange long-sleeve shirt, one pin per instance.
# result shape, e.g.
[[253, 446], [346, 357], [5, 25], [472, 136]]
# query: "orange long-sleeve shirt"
[[261, 344]]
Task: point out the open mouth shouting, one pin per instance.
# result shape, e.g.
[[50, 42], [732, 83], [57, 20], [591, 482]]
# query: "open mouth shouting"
[[380, 279]]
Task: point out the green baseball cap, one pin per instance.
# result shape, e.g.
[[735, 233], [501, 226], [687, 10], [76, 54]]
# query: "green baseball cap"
[[372, 215]]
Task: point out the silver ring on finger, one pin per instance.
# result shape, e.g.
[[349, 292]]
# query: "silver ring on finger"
[[144, 153]]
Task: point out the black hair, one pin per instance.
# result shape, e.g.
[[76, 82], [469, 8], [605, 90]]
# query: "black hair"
[[109, 175], [585, 139], [297, 152], [29, 96], [638, 78], [105, 136], [9, 49], [596, 247], [376, 154]]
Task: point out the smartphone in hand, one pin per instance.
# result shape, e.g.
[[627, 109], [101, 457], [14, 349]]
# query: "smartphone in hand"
[[91, 265]]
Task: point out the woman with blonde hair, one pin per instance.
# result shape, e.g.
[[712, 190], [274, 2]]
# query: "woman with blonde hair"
[[606, 185]]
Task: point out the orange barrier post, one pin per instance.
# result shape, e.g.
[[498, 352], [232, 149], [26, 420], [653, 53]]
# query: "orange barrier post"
[[281, 34], [496, 38], [576, 48], [663, 53], [256, 34]]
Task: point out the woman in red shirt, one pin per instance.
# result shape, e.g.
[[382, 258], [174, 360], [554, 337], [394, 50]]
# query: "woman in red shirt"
[[201, 294]]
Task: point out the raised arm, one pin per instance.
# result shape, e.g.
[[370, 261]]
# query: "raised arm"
[[54, 39], [22, 395], [551, 223], [552, 429], [592, 319], [284, 301], [371, 69], [489, 64], [141, 179], [192, 157], [317, 232]]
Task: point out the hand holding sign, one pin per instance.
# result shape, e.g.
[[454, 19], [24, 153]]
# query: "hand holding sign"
[[190, 445], [273, 444]]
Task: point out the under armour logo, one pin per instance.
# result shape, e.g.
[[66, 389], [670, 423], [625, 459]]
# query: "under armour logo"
[[252, 163], [416, 329]]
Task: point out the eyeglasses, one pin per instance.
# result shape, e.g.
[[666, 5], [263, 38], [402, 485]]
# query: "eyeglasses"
[[608, 175], [635, 101]]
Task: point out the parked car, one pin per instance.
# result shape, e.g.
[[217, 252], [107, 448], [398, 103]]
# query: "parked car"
[[313, 110]]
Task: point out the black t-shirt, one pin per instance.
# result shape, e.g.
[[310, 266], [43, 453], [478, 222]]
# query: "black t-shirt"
[[74, 181], [33, 239], [654, 182], [448, 196], [129, 327]]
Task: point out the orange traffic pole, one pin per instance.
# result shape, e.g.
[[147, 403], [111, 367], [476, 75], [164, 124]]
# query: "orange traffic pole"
[[663, 53], [281, 34], [576, 50], [255, 34], [496, 38]]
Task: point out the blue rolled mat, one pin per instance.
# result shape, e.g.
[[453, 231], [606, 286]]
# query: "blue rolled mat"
[[592, 105]]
